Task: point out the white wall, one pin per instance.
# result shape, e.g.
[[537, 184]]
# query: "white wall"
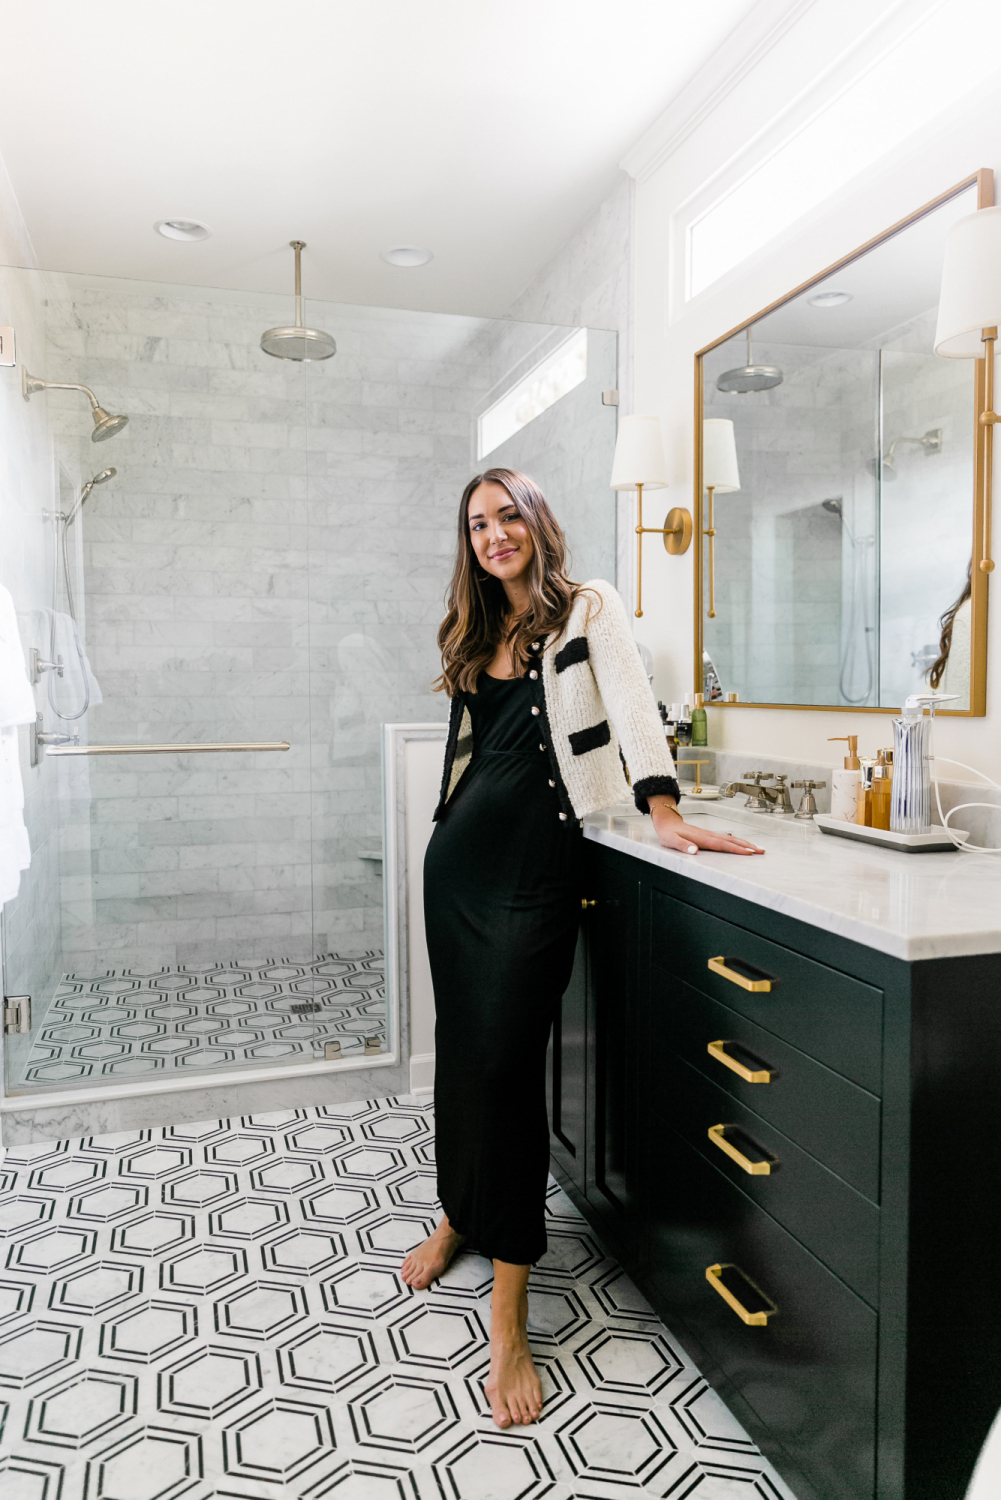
[[676, 162]]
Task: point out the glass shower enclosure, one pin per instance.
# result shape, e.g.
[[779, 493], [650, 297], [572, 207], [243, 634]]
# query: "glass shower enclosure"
[[256, 561]]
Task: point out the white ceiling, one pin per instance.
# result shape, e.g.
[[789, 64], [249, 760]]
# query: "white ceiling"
[[486, 130]]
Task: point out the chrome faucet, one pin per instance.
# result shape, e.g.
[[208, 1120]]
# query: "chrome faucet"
[[771, 799]]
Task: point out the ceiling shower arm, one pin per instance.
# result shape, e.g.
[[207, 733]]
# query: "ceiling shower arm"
[[298, 246]]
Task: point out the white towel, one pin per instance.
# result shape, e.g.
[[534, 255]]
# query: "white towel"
[[63, 639], [17, 706]]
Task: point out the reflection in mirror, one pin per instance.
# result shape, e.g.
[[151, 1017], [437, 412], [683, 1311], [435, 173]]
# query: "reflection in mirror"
[[838, 572]]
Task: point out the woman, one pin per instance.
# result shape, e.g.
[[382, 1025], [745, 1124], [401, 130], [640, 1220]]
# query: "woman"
[[536, 667]]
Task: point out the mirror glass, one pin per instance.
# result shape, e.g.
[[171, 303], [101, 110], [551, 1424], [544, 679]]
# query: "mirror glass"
[[843, 558]]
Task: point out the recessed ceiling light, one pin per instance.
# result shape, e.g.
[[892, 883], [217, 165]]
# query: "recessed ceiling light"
[[407, 255], [182, 229], [830, 299]]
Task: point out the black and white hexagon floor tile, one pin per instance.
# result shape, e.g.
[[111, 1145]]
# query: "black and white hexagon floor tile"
[[122, 1024], [215, 1310]]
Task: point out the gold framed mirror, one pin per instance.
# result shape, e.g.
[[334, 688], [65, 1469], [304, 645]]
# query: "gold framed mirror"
[[840, 488]]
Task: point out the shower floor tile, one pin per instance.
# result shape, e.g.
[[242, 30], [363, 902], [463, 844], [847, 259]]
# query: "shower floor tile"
[[216, 1309], [122, 1024]]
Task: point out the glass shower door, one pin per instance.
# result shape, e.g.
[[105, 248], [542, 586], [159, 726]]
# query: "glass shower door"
[[174, 613]]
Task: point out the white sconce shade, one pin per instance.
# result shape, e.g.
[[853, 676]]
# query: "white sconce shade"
[[639, 455], [971, 285], [719, 456]]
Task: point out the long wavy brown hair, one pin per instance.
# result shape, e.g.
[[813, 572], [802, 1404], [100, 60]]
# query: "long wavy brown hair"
[[478, 616], [937, 669]]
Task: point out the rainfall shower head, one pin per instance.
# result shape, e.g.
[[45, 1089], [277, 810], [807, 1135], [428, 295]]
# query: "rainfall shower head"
[[750, 377], [105, 425], [298, 342], [834, 506]]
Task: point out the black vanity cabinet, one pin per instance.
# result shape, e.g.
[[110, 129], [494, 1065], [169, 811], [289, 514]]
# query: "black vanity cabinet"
[[786, 1139]]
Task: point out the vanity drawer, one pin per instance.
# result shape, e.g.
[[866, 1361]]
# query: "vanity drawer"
[[836, 1223], [808, 1372], [832, 1119], [825, 1013]]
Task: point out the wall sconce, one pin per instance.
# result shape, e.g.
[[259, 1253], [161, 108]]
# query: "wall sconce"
[[969, 312], [639, 464], [719, 472]]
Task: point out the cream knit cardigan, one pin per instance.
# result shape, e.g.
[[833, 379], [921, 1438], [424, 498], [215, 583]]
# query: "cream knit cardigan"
[[590, 696]]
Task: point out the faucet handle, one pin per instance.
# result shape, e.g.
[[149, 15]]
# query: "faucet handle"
[[808, 805], [757, 776]]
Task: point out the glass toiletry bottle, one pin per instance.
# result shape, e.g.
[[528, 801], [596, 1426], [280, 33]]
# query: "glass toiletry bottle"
[[910, 798], [882, 788], [845, 783], [866, 767], [683, 728], [669, 728], [700, 724]]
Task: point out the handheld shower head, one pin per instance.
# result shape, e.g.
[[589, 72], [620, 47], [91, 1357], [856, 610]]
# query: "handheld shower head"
[[105, 425], [101, 477]]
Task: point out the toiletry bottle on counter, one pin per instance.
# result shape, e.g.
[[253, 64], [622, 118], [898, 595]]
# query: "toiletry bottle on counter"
[[866, 768], [700, 724], [882, 788], [683, 728], [669, 728], [845, 783]]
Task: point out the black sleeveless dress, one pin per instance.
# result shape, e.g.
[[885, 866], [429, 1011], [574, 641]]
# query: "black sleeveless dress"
[[502, 908]]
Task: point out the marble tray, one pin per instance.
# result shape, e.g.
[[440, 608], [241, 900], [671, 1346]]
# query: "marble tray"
[[932, 841]]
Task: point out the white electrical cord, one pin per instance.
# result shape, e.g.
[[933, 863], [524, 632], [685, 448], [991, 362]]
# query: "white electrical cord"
[[944, 817]]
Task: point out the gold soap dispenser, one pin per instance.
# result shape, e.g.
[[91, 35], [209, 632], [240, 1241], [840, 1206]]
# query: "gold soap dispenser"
[[882, 788]]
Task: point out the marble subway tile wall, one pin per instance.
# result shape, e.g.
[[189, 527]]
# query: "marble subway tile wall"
[[194, 587], [269, 563], [28, 488], [390, 449], [783, 564], [568, 449]]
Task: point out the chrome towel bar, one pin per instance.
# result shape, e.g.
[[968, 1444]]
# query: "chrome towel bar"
[[156, 749]]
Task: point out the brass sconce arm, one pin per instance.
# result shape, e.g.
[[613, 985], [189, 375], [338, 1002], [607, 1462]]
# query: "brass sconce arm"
[[988, 417], [677, 534]]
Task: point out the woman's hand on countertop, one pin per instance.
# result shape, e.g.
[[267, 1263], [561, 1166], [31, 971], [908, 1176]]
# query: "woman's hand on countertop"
[[674, 833]]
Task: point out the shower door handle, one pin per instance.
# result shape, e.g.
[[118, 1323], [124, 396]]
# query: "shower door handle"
[[159, 749]]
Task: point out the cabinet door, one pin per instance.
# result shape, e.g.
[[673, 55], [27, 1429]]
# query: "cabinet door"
[[567, 1075], [808, 1369], [617, 1051]]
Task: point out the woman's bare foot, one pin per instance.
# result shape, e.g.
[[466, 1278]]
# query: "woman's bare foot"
[[513, 1387], [432, 1258]]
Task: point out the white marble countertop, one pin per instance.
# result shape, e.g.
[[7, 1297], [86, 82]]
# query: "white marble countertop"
[[911, 906]]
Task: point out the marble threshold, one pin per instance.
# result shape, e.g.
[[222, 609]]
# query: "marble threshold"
[[910, 906], [173, 1083]]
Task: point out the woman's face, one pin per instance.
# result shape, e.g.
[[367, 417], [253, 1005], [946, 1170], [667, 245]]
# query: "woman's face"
[[501, 540]]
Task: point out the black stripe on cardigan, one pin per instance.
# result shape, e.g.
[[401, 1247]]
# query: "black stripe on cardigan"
[[583, 740], [573, 652], [455, 709], [654, 786]]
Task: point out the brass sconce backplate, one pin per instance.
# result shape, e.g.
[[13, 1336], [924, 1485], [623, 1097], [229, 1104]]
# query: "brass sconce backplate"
[[678, 530]]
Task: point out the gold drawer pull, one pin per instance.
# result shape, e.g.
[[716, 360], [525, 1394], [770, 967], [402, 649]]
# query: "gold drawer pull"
[[719, 966], [749, 1075], [756, 1319], [753, 1168]]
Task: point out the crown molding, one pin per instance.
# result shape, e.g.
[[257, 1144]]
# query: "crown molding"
[[760, 30]]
